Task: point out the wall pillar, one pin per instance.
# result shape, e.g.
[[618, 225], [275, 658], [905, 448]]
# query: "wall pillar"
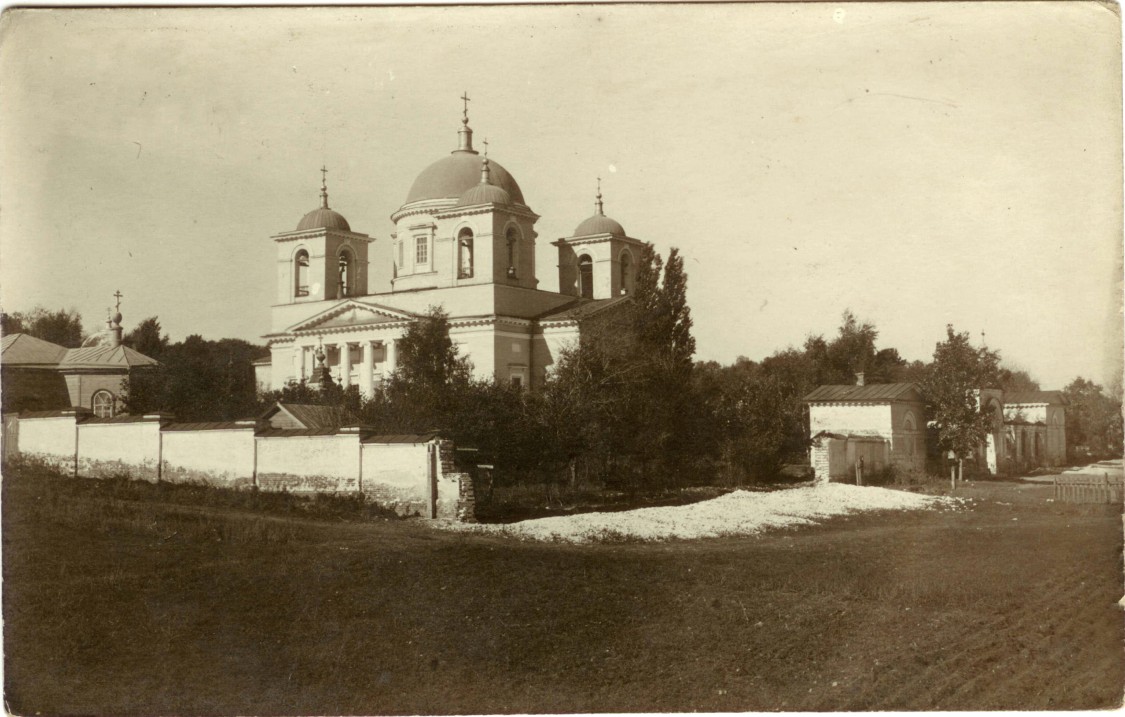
[[345, 350], [366, 375]]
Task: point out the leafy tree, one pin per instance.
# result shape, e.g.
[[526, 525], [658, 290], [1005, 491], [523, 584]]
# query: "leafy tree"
[[147, 338], [198, 380], [62, 327], [1093, 421], [952, 391], [427, 358], [1012, 380]]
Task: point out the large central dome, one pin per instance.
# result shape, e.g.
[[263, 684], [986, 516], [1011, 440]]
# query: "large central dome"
[[452, 176]]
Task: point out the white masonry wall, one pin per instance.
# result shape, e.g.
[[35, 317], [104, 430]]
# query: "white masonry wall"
[[397, 475], [222, 457], [851, 418], [109, 449], [309, 464], [49, 439]]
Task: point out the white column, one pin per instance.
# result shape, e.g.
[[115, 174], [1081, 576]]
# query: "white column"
[[367, 373], [295, 363], [391, 361], [345, 364]]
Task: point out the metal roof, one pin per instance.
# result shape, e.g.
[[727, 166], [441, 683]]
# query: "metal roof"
[[452, 176], [869, 393], [105, 356], [210, 425], [313, 416], [1027, 397], [400, 438], [25, 349], [581, 308]]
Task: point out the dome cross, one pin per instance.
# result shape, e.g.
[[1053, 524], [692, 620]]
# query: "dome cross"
[[323, 186], [598, 203]]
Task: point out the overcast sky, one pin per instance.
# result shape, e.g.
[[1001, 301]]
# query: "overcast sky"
[[922, 164]]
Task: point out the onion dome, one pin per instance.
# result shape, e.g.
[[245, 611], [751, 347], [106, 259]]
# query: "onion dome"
[[322, 217], [485, 192], [599, 223], [452, 176]]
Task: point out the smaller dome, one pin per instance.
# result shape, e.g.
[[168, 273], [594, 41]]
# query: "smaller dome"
[[323, 218], [484, 194], [599, 224]]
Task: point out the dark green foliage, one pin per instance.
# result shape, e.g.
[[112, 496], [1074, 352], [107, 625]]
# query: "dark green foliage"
[[952, 393], [1093, 421], [147, 338], [62, 327], [198, 380]]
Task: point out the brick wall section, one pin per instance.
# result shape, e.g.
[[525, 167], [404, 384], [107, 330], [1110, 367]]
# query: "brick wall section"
[[818, 456], [462, 507]]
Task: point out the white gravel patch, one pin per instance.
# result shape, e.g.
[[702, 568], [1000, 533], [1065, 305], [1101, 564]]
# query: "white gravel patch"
[[737, 513]]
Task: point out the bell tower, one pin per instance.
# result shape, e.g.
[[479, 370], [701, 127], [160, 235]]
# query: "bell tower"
[[599, 261], [322, 259]]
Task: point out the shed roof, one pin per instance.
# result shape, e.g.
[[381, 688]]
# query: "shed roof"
[[312, 416], [1016, 398], [875, 392]]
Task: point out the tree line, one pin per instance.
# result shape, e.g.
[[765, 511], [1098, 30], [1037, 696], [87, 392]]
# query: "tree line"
[[627, 406]]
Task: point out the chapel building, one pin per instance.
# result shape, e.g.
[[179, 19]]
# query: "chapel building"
[[464, 240]]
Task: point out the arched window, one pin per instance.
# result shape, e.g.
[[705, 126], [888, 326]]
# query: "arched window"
[[102, 403], [908, 423], [586, 277], [301, 272], [513, 239], [626, 272], [346, 267], [465, 250]]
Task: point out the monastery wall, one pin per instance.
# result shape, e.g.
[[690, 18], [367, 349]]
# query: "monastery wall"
[[309, 464], [412, 478], [49, 439], [396, 475], [118, 448], [217, 457]]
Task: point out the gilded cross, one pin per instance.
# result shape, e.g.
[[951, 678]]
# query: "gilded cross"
[[465, 99]]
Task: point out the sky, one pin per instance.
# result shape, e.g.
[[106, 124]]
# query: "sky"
[[920, 164]]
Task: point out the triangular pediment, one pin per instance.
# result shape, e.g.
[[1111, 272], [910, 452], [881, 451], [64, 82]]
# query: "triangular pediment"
[[352, 313]]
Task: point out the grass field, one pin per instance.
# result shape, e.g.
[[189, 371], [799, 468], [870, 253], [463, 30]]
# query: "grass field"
[[115, 606]]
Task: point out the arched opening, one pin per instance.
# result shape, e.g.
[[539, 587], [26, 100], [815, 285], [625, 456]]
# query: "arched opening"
[[102, 404], [301, 273], [513, 238], [908, 422], [465, 254], [626, 272], [345, 268], [586, 277]]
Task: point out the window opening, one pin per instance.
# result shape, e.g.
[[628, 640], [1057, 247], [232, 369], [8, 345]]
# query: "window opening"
[[586, 277], [302, 263]]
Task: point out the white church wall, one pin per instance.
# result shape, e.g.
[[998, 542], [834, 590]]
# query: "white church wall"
[[110, 449], [478, 344], [52, 440], [309, 464], [396, 475], [221, 457]]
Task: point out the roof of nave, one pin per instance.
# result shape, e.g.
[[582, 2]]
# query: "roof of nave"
[[582, 308], [870, 393]]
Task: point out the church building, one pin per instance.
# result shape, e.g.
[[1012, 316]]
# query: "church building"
[[464, 240]]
